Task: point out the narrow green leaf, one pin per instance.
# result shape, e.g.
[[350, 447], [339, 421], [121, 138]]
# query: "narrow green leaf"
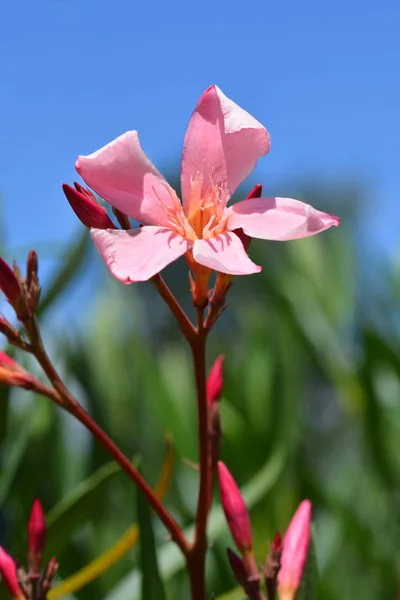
[[77, 508], [72, 262], [4, 411], [14, 451], [152, 585]]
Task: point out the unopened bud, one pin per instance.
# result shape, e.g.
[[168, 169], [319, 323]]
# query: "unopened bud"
[[237, 567], [85, 191], [294, 552], [10, 285], [36, 534], [8, 572], [244, 238], [11, 373], [49, 576], [90, 213], [235, 510], [32, 268], [215, 381], [272, 565]]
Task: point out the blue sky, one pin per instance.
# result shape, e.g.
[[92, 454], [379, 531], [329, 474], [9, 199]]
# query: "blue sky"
[[322, 77]]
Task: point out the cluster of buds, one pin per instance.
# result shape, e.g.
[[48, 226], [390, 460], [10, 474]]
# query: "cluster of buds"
[[34, 583], [22, 293], [284, 565]]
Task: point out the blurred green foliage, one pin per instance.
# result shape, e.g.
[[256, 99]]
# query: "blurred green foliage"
[[311, 408]]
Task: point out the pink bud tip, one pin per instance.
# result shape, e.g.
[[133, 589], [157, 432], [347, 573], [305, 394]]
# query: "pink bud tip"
[[294, 553], [8, 572], [86, 209], [9, 283], [255, 192], [276, 545], [235, 510], [215, 381], [36, 529]]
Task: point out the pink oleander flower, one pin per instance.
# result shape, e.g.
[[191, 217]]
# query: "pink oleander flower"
[[294, 552], [221, 148]]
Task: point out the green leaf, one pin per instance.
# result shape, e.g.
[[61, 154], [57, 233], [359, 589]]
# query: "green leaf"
[[77, 508], [309, 582], [14, 451], [72, 262], [4, 411], [152, 585]]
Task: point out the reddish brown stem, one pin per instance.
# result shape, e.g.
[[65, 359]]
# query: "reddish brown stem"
[[197, 555], [67, 400], [169, 522]]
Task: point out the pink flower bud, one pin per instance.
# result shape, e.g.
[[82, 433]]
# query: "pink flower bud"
[[215, 380], [235, 510], [36, 532], [244, 238], [11, 373], [294, 553], [8, 572], [237, 566], [9, 284], [86, 209]]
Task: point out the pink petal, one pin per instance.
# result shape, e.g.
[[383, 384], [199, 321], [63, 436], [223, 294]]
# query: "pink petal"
[[222, 141], [121, 173], [138, 254], [278, 218], [224, 253]]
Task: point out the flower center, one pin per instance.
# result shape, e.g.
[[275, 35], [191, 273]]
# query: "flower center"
[[206, 207]]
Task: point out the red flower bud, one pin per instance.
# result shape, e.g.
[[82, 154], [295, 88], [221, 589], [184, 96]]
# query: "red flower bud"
[[276, 545], [11, 373], [36, 533], [237, 566], [215, 380], [244, 238], [85, 191], [9, 284], [255, 192], [294, 553], [86, 209], [235, 510], [8, 572]]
